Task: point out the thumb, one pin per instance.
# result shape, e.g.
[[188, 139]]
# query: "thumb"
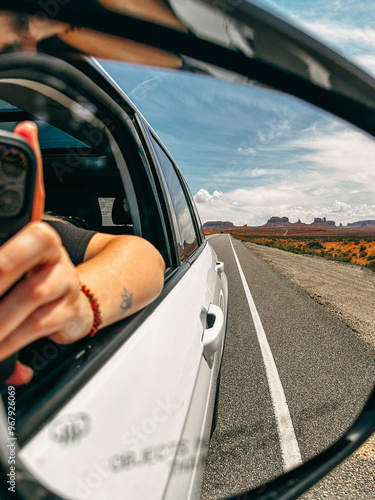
[[22, 375], [29, 131]]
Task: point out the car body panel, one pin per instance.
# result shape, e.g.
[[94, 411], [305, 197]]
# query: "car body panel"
[[144, 408]]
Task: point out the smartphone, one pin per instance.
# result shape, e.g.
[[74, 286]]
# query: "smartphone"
[[17, 184], [18, 169]]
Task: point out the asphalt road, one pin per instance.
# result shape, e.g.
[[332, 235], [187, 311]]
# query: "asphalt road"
[[325, 370]]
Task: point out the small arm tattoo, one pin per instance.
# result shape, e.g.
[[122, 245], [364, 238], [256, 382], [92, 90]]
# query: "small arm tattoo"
[[127, 300]]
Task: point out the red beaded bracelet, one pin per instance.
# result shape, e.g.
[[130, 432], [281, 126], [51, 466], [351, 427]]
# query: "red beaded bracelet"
[[98, 320]]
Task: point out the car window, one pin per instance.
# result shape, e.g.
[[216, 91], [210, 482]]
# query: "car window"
[[184, 227], [81, 184], [49, 136], [194, 207]]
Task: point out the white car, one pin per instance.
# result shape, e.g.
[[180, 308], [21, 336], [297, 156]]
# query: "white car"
[[136, 402]]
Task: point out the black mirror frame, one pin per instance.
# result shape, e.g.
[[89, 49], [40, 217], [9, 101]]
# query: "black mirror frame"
[[358, 109]]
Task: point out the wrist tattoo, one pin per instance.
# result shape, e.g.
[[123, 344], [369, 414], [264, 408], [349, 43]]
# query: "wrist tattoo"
[[127, 300]]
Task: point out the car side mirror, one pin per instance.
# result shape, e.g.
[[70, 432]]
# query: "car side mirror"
[[239, 42]]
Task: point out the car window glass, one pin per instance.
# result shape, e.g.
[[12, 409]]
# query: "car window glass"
[[193, 205], [185, 232], [79, 181], [49, 136]]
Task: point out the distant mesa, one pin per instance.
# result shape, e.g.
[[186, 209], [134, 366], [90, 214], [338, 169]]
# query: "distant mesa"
[[318, 220], [362, 223], [282, 224], [277, 220], [214, 223], [218, 226]]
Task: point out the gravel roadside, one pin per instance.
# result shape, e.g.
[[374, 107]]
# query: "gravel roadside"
[[345, 289], [348, 292]]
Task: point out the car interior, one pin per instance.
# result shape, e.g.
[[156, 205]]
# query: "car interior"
[[87, 193]]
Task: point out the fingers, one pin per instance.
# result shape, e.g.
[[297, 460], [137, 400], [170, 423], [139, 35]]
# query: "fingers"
[[49, 293], [44, 285], [35, 327], [29, 131], [34, 245], [61, 320]]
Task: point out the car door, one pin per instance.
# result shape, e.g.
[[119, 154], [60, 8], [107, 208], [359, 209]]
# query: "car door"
[[135, 428], [205, 267]]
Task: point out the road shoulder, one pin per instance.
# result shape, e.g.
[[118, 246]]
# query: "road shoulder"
[[346, 290]]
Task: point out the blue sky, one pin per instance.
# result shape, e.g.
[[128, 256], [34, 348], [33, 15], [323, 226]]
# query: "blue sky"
[[249, 154]]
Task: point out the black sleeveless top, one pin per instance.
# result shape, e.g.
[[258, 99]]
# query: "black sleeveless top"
[[74, 239]]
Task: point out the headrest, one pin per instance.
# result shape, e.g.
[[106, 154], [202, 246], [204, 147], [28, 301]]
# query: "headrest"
[[121, 212], [77, 199]]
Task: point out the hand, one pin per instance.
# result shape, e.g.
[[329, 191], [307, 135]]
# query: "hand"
[[52, 263], [48, 300]]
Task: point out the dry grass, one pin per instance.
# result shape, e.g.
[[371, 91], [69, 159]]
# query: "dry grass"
[[354, 251]]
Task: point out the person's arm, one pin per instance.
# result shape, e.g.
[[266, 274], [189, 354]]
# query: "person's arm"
[[125, 273]]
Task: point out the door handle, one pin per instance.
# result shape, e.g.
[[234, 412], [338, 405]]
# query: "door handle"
[[212, 335], [219, 267]]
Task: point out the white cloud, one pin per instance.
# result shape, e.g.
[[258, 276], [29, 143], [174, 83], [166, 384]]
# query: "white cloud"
[[335, 179], [258, 205], [246, 151], [367, 61], [340, 206], [340, 34], [355, 43], [203, 196], [339, 155], [259, 172]]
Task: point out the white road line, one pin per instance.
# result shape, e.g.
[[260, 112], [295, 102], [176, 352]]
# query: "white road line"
[[288, 443]]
